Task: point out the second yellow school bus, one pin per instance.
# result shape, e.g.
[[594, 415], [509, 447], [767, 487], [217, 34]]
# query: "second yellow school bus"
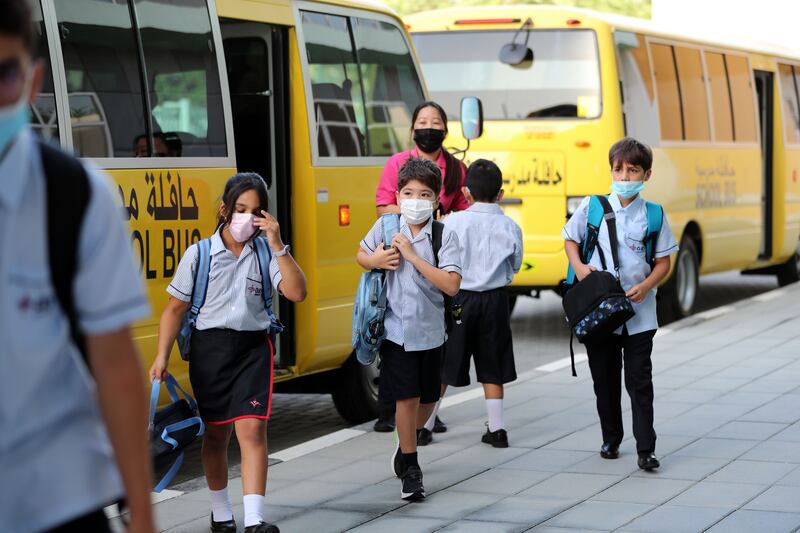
[[722, 119], [172, 98]]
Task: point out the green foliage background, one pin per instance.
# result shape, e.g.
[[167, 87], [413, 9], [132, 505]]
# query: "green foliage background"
[[633, 8]]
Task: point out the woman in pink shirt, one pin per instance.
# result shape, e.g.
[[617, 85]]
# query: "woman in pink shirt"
[[430, 128]]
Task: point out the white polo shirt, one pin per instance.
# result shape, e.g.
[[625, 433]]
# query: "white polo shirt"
[[633, 268], [56, 461]]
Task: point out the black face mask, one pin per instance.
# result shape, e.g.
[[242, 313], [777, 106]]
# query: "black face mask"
[[428, 139]]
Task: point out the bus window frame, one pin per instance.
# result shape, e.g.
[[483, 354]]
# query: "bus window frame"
[[669, 143], [601, 91], [795, 65], [65, 124], [298, 8]]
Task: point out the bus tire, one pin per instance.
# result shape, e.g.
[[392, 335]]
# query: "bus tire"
[[680, 292], [789, 272], [355, 393]]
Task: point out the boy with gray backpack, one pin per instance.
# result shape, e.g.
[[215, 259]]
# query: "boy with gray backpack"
[[640, 258], [414, 321]]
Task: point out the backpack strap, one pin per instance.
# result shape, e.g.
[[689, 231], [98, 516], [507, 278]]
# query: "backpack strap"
[[200, 279], [599, 209], [264, 258], [611, 223], [655, 218], [67, 193], [437, 229]]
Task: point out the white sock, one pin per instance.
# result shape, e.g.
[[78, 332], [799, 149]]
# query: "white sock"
[[221, 510], [253, 509], [432, 420], [495, 410]]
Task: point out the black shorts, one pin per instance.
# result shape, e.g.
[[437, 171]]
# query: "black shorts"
[[485, 334], [407, 375], [231, 373]]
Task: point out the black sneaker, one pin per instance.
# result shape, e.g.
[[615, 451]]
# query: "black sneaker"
[[648, 461], [498, 439], [262, 527], [424, 437], [412, 490], [439, 426], [384, 424], [398, 466], [223, 526]]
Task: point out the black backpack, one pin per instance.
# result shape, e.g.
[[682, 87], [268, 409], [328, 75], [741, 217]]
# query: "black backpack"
[[67, 194]]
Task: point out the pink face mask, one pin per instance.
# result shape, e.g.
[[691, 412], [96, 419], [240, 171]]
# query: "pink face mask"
[[241, 226]]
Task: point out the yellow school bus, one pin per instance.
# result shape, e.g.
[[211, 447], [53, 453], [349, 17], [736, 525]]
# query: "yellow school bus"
[[722, 118], [172, 98]]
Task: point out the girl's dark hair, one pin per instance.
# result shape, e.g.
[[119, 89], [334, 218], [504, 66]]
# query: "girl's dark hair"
[[15, 21], [453, 168], [236, 186]]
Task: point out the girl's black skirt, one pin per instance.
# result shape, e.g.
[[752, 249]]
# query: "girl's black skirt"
[[231, 374]]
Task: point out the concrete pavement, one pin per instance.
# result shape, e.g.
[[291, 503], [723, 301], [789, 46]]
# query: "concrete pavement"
[[727, 411]]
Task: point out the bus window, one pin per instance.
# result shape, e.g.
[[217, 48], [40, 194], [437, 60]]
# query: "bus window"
[[106, 102], [789, 103], [44, 119], [335, 86], [562, 81], [183, 77], [639, 106], [744, 114], [391, 85], [669, 100], [693, 94], [720, 97]]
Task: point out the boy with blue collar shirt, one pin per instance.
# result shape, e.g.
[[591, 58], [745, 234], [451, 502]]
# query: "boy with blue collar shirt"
[[631, 163], [491, 252], [414, 319]]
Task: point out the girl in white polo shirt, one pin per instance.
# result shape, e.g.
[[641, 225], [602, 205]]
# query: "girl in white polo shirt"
[[230, 367]]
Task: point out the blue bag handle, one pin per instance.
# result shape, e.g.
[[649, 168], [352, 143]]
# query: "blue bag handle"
[[172, 387], [169, 475]]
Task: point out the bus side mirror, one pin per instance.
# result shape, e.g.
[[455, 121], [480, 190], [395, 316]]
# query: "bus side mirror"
[[471, 117]]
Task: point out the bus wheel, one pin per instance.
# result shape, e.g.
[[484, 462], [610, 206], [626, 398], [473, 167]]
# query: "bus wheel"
[[789, 272], [355, 394], [681, 289]]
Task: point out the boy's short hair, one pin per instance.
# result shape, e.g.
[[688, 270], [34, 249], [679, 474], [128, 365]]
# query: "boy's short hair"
[[484, 180], [421, 170], [631, 151], [16, 21]]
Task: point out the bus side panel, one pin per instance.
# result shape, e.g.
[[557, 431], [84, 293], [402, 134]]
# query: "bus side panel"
[[786, 188]]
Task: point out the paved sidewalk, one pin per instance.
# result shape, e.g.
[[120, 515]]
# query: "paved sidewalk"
[[727, 414]]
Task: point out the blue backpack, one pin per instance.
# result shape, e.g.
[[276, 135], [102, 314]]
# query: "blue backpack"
[[369, 307], [201, 285], [655, 215]]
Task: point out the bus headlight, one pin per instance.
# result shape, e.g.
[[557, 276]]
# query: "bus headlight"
[[572, 204]]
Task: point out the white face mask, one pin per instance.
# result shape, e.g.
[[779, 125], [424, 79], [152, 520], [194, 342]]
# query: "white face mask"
[[416, 211]]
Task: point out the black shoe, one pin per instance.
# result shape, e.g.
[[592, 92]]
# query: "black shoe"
[[648, 461], [498, 439], [609, 451], [412, 490], [424, 437], [262, 527], [227, 525], [439, 426], [398, 466], [384, 424]]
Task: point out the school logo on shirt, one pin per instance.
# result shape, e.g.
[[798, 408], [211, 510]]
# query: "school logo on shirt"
[[255, 403], [36, 305], [254, 290]]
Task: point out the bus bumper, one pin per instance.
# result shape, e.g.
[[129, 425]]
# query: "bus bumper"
[[540, 271]]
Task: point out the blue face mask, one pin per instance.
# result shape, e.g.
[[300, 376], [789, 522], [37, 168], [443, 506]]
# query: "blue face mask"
[[627, 189], [13, 119]]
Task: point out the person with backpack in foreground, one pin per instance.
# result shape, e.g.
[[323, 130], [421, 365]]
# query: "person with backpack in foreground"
[[491, 253], [230, 352], [644, 260], [73, 418], [417, 273]]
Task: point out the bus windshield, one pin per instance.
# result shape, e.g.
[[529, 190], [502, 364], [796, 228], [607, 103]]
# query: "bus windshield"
[[562, 80]]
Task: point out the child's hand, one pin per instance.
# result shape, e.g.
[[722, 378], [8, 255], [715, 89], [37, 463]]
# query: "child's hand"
[[270, 226], [159, 369], [637, 293], [402, 243], [583, 271], [387, 259]]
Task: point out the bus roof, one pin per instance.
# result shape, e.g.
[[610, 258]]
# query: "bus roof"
[[512, 16], [280, 11]]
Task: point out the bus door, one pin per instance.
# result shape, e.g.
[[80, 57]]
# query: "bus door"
[[764, 94], [256, 59]]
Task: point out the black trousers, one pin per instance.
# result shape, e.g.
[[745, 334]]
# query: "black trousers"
[[606, 359], [96, 522]]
